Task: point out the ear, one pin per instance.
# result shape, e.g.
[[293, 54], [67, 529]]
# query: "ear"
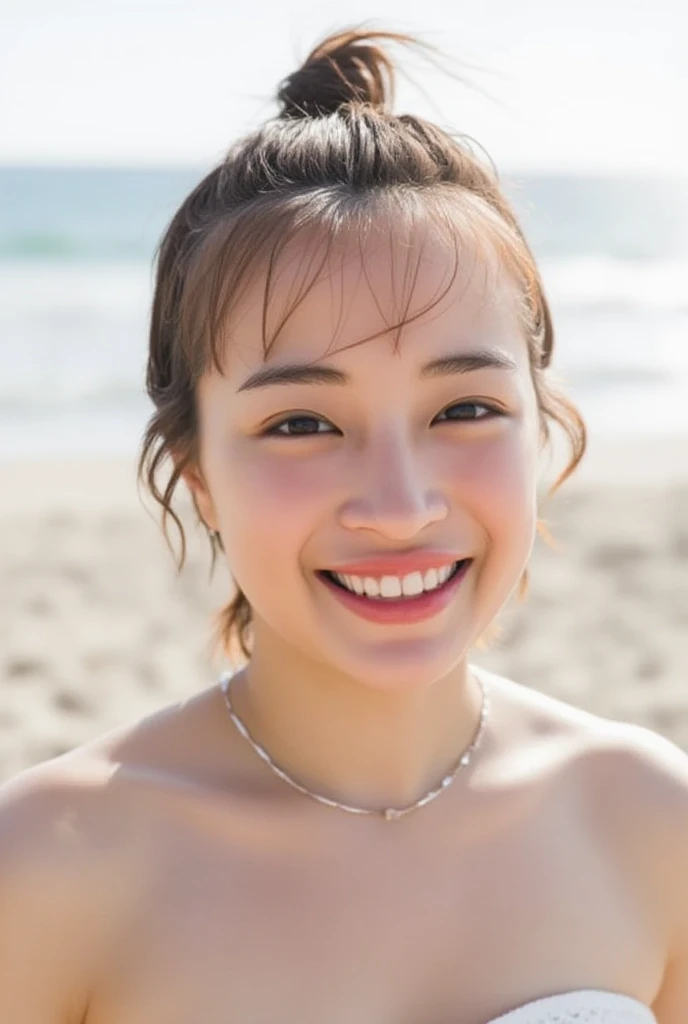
[[195, 481]]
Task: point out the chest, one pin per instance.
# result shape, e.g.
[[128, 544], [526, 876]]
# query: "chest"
[[271, 927]]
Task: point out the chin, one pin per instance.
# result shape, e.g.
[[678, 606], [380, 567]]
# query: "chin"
[[399, 665]]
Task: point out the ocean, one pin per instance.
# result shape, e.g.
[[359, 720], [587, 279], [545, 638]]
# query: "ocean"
[[76, 272]]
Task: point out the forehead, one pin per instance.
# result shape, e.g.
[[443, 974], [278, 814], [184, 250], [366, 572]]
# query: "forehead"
[[323, 297]]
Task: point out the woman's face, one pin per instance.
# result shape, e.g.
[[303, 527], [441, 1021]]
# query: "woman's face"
[[383, 455]]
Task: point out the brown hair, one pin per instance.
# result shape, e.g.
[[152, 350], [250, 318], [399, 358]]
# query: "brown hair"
[[334, 154]]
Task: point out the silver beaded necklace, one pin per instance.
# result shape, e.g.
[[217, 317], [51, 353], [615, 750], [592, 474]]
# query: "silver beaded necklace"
[[389, 813]]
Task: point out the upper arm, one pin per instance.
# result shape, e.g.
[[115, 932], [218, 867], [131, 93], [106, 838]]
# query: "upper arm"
[[43, 898], [671, 1005], [658, 775]]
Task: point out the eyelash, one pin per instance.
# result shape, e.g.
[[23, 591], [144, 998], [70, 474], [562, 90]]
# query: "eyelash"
[[273, 430]]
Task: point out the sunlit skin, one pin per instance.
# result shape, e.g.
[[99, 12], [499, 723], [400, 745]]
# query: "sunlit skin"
[[372, 715]]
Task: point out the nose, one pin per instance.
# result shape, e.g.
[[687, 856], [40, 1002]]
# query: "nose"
[[392, 493]]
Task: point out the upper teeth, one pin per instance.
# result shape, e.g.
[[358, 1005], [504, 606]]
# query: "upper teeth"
[[396, 586]]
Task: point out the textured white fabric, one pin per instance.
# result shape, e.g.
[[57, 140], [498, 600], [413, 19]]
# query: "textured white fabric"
[[586, 1006]]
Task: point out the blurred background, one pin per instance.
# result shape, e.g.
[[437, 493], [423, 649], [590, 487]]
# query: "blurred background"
[[112, 112]]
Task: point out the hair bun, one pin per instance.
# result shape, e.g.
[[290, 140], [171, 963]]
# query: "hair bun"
[[346, 67]]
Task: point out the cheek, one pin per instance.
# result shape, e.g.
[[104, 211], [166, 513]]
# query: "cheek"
[[497, 489], [505, 472], [502, 466], [496, 483], [280, 486], [278, 503]]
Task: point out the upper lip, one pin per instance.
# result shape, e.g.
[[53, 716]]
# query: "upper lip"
[[398, 565]]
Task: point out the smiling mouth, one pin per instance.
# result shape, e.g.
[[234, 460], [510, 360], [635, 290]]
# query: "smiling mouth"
[[395, 588]]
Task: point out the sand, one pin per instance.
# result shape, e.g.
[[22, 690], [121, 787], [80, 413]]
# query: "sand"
[[97, 629]]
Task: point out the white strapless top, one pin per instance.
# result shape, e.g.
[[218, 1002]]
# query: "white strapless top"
[[585, 1006]]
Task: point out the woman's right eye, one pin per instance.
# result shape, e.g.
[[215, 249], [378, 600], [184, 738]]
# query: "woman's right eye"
[[303, 426]]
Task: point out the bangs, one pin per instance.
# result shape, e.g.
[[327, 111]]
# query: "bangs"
[[301, 239]]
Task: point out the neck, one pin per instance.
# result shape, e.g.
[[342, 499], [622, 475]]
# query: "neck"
[[350, 742]]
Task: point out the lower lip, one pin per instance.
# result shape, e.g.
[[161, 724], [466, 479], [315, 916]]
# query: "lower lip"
[[404, 609]]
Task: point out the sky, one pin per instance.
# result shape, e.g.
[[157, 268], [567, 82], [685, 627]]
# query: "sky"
[[558, 85]]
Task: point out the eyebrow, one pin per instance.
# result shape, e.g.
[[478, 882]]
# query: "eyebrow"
[[306, 373]]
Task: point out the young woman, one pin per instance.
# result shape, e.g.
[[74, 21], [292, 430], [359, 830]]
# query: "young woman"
[[350, 359]]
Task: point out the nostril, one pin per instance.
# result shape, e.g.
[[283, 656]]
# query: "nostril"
[[399, 517]]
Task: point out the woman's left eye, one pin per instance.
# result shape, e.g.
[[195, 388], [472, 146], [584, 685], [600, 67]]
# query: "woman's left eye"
[[452, 411]]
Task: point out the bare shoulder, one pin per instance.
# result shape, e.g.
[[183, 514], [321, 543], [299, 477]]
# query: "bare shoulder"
[[632, 757], [83, 811], [48, 881], [54, 815], [641, 784], [74, 857], [630, 786], [79, 836], [634, 779]]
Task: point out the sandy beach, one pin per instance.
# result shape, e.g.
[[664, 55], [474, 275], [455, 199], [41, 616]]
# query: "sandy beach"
[[97, 629]]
